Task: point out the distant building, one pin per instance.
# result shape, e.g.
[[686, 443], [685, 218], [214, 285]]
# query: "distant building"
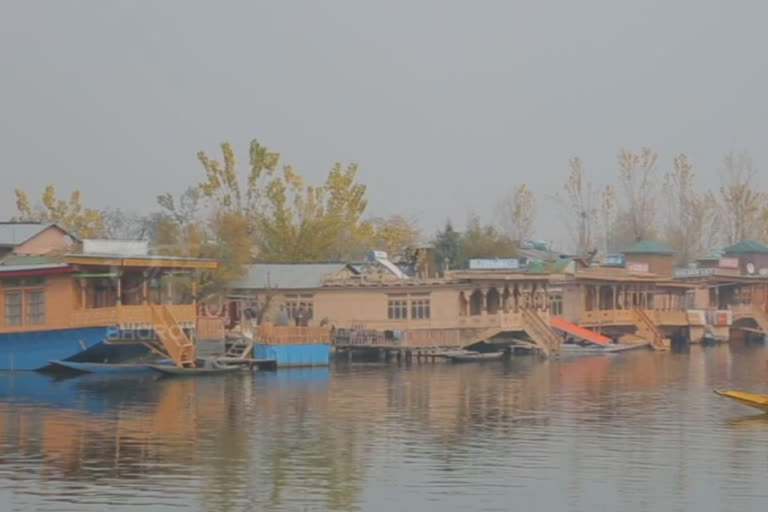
[[748, 256], [651, 257], [33, 238]]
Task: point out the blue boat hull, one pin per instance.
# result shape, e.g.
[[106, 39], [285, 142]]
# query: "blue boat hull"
[[35, 350]]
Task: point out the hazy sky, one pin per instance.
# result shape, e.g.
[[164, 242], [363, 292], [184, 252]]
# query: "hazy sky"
[[445, 105]]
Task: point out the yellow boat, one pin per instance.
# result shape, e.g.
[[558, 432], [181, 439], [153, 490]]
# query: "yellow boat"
[[751, 399]]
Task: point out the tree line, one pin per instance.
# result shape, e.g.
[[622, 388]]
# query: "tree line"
[[647, 200], [265, 211]]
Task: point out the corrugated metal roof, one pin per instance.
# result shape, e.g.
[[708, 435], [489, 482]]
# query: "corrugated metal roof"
[[24, 268], [15, 233], [287, 275]]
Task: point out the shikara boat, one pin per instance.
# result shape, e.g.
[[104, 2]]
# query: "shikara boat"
[[107, 368], [755, 400], [470, 357], [209, 367], [589, 349]]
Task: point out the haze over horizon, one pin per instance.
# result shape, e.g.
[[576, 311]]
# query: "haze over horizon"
[[445, 105]]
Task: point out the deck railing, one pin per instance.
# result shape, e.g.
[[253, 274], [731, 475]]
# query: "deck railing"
[[280, 335], [122, 315]]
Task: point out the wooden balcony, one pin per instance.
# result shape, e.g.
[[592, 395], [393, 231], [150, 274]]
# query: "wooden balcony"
[[136, 317], [622, 317]]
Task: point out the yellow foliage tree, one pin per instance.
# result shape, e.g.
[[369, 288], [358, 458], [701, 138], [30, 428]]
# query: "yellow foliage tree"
[[69, 214], [290, 220], [392, 234]]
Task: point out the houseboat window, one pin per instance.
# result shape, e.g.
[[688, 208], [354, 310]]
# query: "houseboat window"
[[420, 308], [556, 304], [398, 308], [13, 308], [35, 307]]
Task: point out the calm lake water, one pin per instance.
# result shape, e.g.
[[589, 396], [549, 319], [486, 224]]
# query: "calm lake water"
[[631, 432]]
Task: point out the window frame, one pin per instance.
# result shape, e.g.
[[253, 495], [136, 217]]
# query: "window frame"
[[6, 308], [39, 316]]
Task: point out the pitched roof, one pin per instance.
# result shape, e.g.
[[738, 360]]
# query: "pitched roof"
[[746, 247], [287, 275], [16, 233], [648, 247]]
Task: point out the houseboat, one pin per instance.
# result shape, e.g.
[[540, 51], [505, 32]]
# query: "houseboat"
[[111, 302], [296, 306]]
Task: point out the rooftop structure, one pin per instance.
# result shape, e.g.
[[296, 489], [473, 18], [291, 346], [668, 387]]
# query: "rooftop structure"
[[33, 238]]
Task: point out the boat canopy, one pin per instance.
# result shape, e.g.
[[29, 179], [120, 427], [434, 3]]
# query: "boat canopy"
[[576, 331]]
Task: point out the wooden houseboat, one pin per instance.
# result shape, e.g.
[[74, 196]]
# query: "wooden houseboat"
[[459, 310], [98, 307]]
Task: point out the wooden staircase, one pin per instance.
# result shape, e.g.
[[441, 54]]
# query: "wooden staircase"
[[174, 343], [647, 328], [540, 332], [239, 349]]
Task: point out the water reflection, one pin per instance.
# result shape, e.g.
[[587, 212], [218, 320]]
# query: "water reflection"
[[640, 431]]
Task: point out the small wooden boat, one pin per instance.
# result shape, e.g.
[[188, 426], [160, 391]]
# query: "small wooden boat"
[[755, 400], [208, 367], [471, 357], [106, 368], [589, 349]]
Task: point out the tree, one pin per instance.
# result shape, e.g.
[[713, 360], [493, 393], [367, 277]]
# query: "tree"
[[742, 205], [637, 177], [608, 217], [390, 234], [122, 225], [579, 207], [69, 214], [517, 213], [484, 241], [692, 217], [448, 248], [291, 221]]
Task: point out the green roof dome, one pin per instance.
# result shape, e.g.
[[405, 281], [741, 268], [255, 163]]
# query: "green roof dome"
[[747, 247], [648, 247]]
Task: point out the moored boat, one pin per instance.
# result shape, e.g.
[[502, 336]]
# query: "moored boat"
[[576, 349], [106, 368], [469, 357], [208, 367], [755, 400]]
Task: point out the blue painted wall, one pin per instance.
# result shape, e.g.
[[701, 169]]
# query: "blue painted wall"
[[34, 350], [317, 354]]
